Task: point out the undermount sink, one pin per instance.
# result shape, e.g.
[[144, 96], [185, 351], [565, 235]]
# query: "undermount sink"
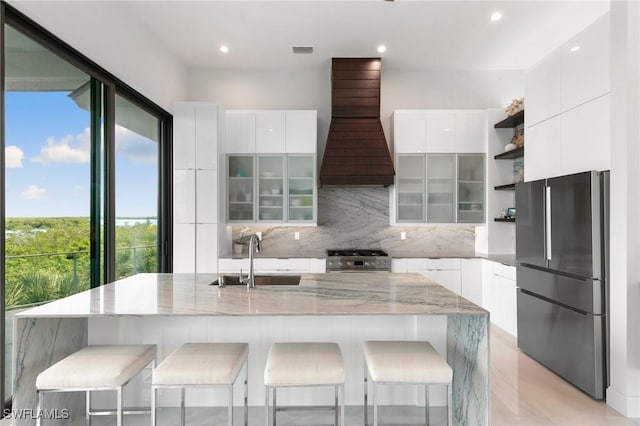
[[262, 280]]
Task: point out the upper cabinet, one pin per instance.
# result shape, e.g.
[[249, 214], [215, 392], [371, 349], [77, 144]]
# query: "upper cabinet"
[[575, 73], [275, 179], [272, 132], [439, 131], [568, 112], [241, 132]]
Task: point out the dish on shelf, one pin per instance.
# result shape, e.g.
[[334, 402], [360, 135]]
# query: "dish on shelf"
[[275, 191], [268, 174], [296, 201]]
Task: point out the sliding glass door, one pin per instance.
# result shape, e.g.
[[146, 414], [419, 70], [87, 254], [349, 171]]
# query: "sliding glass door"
[[85, 193]]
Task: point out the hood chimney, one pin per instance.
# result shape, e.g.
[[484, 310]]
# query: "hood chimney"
[[356, 152]]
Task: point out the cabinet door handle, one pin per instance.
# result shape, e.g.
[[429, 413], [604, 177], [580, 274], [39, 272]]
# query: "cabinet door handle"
[[547, 228]]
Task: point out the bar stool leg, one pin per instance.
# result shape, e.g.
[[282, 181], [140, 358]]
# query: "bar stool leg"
[[426, 404], [39, 408], [154, 418], [342, 406], [366, 388], [230, 408], [335, 406], [449, 405], [246, 394], [88, 410], [266, 406], [374, 391], [274, 406], [182, 409], [119, 409]]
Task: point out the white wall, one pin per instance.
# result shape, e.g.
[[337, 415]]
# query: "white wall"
[[311, 89], [108, 34], [624, 392]]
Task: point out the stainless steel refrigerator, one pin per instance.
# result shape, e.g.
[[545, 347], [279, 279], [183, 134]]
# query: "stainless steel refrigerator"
[[562, 276]]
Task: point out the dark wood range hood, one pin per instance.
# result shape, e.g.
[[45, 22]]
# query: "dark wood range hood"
[[356, 152]]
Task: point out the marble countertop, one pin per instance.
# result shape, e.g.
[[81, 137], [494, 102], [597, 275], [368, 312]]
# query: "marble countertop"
[[507, 259], [337, 293]]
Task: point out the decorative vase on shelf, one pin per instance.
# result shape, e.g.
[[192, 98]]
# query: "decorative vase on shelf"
[[509, 147]]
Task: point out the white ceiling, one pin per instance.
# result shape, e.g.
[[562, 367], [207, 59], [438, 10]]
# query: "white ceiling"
[[418, 34]]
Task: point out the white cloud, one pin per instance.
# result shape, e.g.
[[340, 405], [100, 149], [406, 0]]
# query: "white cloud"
[[135, 147], [13, 157], [69, 149], [33, 192]]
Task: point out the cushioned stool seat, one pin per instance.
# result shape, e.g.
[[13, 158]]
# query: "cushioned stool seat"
[[404, 362], [98, 367], [304, 364], [202, 365]]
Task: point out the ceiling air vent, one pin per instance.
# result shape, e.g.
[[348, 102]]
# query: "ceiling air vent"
[[302, 50]]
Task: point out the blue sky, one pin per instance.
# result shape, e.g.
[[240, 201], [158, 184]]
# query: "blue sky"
[[47, 160]]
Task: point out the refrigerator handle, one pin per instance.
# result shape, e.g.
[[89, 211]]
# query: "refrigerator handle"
[[547, 228]]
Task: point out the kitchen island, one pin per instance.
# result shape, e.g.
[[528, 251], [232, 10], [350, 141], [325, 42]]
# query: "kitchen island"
[[170, 309]]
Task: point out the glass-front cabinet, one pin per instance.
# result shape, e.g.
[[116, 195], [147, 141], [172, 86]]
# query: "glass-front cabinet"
[[441, 187], [410, 188], [301, 184], [240, 188], [284, 188], [471, 188], [271, 188]]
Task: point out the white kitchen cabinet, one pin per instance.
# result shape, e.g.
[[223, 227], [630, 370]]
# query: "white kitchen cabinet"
[[471, 280], [398, 265], [206, 248], [470, 131], [184, 136], [542, 157], [585, 65], [206, 203], [543, 90], [241, 132], [585, 137], [504, 298], [409, 132], [441, 131], [301, 132], [184, 193], [206, 136], [270, 132], [240, 188], [445, 272], [301, 199], [184, 248]]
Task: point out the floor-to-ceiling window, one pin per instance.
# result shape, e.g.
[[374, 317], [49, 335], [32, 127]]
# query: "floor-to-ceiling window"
[[85, 200]]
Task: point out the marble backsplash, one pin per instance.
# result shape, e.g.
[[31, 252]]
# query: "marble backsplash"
[[359, 217]]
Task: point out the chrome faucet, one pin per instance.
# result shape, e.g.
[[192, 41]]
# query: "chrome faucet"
[[254, 247]]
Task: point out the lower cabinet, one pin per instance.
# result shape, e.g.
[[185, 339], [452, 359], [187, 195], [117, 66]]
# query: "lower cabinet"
[[489, 284], [273, 265], [445, 272]]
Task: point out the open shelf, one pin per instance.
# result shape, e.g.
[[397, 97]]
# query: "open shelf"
[[512, 121], [508, 155], [506, 219], [507, 186]]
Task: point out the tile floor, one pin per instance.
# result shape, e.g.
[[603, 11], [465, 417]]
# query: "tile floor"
[[523, 393]]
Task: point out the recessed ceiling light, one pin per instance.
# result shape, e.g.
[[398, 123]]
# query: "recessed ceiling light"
[[224, 48], [382, 48], [496, 16], [575, 48]]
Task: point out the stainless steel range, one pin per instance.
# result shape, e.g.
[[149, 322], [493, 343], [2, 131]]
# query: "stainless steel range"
[[358, 260]]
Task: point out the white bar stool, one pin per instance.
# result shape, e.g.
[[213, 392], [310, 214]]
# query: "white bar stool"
[[202, 365], [94, 368], [405, 362], [305, 364]]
